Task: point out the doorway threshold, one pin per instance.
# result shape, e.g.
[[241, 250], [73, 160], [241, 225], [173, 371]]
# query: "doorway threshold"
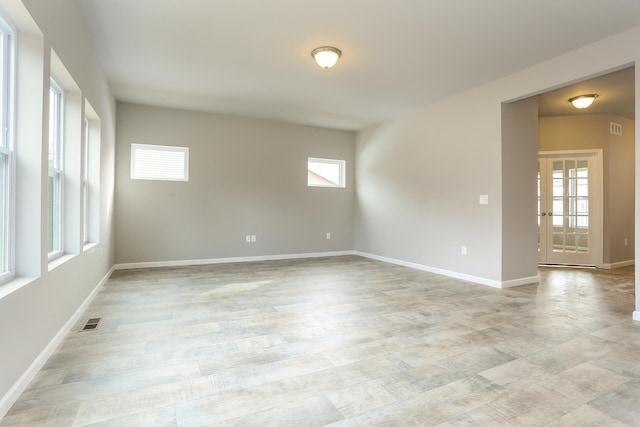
[[566, 265]]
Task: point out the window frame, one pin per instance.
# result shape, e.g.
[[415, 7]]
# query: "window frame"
[[160, 148], [7, 149], [342, 165], [55, 247], [86, 129]]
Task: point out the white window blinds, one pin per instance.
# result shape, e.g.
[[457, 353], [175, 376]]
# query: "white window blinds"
[[158, 162]]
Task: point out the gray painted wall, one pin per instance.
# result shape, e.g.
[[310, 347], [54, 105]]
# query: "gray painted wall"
[[37, 305], [519, 189], [419, 181], [419, 177], [591, 131], [247, 176]]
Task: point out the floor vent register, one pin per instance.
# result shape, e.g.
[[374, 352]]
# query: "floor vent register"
[[91, 324]]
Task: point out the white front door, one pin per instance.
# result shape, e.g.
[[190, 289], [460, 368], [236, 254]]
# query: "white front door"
[[569, 206]]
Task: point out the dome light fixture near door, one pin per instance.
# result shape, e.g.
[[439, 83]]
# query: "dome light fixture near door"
[[326, 56], [583, 101]]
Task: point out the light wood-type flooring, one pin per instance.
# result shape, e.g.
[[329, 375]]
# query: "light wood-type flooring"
[[344, 341]]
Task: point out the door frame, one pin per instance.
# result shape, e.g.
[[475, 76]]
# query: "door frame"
[[598, 195]]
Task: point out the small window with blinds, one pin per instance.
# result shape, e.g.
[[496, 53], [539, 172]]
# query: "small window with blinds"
[[159, 162]]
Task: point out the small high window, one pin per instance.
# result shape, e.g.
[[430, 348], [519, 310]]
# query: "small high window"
[[325, 173], [159, 162]]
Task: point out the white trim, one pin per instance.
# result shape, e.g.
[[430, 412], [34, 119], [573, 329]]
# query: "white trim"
[[58, 137], [636, 315], [15, 284], [521, 281], [7, 127], [60, 259], [84, 181], [56, 171], [23, 382], [467, 277], [619, 264], [88, 246], [187, 262]]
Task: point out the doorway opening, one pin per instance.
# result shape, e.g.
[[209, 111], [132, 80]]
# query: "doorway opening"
[[607, 126]]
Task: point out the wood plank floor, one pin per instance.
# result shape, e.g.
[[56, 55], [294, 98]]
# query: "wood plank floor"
[[344, 341]]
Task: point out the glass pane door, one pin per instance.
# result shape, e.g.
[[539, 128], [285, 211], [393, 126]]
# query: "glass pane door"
[[564, 205]]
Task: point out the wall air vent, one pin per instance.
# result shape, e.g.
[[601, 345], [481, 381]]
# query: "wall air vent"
[[615, 128]]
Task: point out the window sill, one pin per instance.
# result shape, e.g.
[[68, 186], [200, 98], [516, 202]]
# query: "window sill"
[[14, 284], [88, 246], [55, 263]]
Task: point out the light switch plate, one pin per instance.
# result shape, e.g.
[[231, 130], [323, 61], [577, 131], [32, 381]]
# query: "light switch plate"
[[484, 199]]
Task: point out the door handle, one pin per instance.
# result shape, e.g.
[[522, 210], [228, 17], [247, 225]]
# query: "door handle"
[[550, 214], [543, 214]]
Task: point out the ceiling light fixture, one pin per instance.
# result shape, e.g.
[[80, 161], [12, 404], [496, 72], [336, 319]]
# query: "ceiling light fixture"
[[583, 101], [326, 56]]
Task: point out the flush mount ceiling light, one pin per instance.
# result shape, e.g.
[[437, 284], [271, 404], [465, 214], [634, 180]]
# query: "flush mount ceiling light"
[[326, 56], [583, 101]]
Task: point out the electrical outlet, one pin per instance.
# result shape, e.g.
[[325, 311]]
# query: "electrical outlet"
[[328, 236], [626, 242], [463, 250], [247, 238], [253, 238]]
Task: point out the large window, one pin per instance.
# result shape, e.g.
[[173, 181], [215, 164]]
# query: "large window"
[[7, 160], [85, 179], [56, 176], [325, 173], [159, 162]]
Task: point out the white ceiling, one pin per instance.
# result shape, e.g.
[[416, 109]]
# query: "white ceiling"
[[252, 57]]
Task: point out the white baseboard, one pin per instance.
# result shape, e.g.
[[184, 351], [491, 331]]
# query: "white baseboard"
[[521, 281], [180, 263], [619, 264], [636, 315], [454, 274], [469, 278], [23, 382]]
